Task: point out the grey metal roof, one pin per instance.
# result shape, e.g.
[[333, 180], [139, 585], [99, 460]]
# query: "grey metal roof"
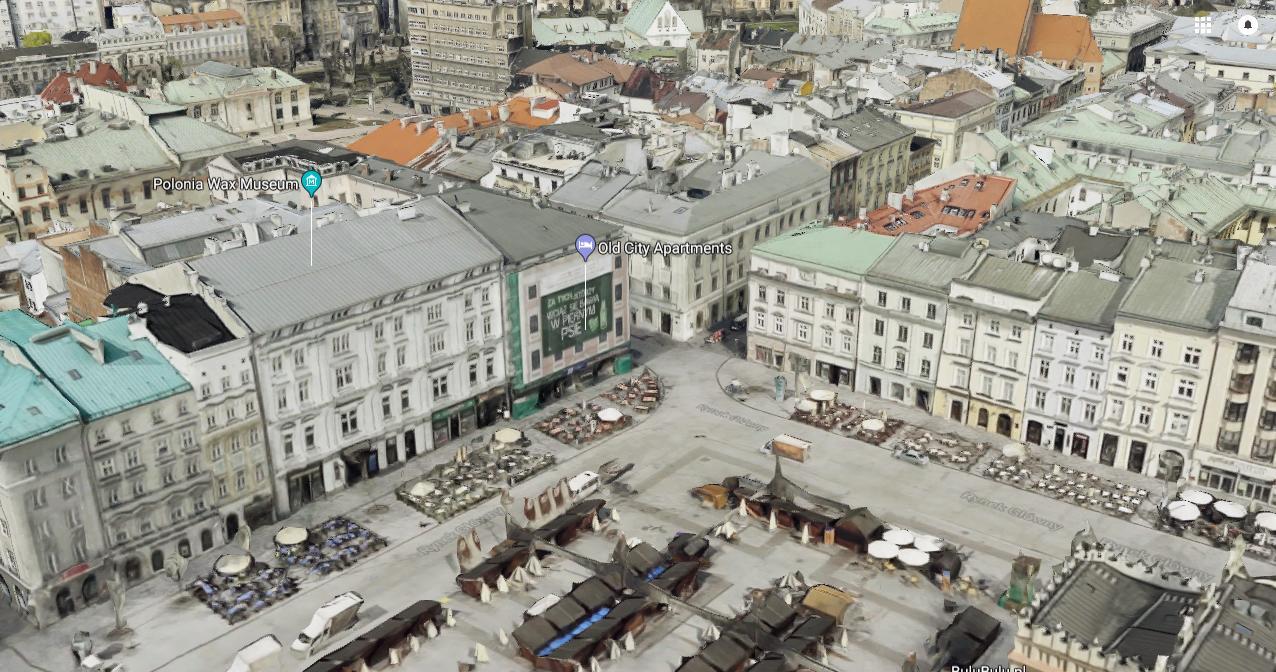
[[1083, 298], [1013, 229], [1244, 637], [522, 231], [869, 129], [1256, 291], [591, 189], [177, 237], [273, 285], [1103, 247], [1029, 281], [932, 269], [1180, 293]]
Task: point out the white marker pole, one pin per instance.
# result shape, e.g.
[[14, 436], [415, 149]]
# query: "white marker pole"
[[312, 231]]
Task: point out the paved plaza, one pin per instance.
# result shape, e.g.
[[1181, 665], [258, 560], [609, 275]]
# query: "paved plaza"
[[698, 434]]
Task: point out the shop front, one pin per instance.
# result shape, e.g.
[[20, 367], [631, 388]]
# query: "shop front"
[[549, 389], [305, 486], [1229, 476]]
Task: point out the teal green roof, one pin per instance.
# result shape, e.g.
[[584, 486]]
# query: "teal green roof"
[[641, 14], [29, 405], [834, 249], [98, 368]]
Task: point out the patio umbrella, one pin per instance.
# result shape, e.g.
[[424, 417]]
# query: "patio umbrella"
[[913, 557], [507, 435], [928, 544], [883, 550], [806, 406], [1184, 511], [872, 425], [1229, 509], [609, 415], [899, 537], [1196, 497], [291, 536], [1266, 520], [823, 395], [233, 565]]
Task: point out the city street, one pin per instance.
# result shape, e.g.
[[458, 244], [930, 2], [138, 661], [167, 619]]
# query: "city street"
[[699, 434]]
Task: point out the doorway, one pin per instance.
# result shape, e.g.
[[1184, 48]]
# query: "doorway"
[[1004, 424], [666, 323], [1059, 437], [65, 603], [875, 386], [1081, 446], [409, 443], [1138, 451], [205, 540], [982, 418], [955, 411], [1033, 436], [923, 400], [232, 527]]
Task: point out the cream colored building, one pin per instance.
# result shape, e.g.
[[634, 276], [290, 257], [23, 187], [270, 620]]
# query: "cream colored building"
[[945, 120], [988, 342], [463, 51], [1238, 433], [1164, 342], [196, 38], [247, 102], [843, 18], [137, 50]]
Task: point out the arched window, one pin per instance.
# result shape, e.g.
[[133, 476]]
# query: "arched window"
[[184, 548], [157, 560]]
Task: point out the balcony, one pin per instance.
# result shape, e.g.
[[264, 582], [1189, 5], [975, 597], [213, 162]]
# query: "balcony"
[[1241, 383], [1270, 392]]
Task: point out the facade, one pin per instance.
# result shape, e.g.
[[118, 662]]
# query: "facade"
[[1068, 376], [926, 30], [369, 371], [880, 167], [275, 32], [843, 18], [247, 102], [137, 51], [1165, 336], [194, 39], [723, 206], [659, 24], [139, 430], [1238, 427], [1128, 31], [805, 291], [988, 342], [321, 26], [25, 72], [463, 51], [55, 18], [946, 120], [51, 545], [903, 317]]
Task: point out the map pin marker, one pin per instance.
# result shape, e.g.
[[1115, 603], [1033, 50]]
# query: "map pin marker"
[[585, 245], [310, 181]]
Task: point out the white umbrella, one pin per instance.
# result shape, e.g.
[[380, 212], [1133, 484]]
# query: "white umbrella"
[[928, 544], [233, 565], [872, 425], [913, 557], [291, 536], [610, 415], [1196, 497], [883, 550], [1184, 511], [823, 395], [1266, 520], [806, 406], [1229, 509], [507, 435], [899, 537]]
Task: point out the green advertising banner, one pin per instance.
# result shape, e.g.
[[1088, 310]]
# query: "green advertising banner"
[[565, 321]]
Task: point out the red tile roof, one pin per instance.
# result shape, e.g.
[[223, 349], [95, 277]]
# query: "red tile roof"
[[405, 141], [969, 198], [1064, 38], [91, 73], [990, 25]]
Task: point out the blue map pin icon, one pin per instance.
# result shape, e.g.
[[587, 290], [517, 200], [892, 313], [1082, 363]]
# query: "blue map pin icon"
[[310, 181], [585, 245]]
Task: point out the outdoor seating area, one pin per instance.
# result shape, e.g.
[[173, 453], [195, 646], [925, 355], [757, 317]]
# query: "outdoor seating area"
[[333, 546], [1073, 485], [473, 477], [575, 426], [239, 586], [948, 449], [822, 409], [641, 393], [1221, 521]]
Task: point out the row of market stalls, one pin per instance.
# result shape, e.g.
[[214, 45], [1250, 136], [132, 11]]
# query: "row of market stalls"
[[388, 642], [515, 552]]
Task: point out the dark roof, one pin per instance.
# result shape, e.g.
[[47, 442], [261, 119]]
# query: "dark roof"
[[1244, 636], [528, 57], [520, 230], [645, 83], [766, 37], [593, 594], [869, 129], [953, 106], [724, 654], [535, 633], [48, 51], [182, 321], [1087, 249], [564, 613], [1028, 84], [316, 152]]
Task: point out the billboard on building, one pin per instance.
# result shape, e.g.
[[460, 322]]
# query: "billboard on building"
[[575, 314]]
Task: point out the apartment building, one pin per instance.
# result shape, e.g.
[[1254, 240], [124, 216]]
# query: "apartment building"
[[1068, 376], [150, 483], [1165, 336], [946, 120], [880, 167], [359, 372], [987, 342], [1237, 444], [463, 51], [137, 50], [196, 38], [51, 545], [275, 29], [805, 292], [24, 72], [245, 101], [903, 317], [1128, 31]]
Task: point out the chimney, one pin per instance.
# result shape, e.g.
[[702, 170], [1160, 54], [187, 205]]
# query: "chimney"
[[142, 308], [463, 207], [403, 122], [754, 169], [863, 214], [910, 192], [92, 67], [1094, 229], [895, 200], [943, 195], [504, 112], [728, 179]]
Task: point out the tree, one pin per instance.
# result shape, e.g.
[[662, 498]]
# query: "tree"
[[39, 38]]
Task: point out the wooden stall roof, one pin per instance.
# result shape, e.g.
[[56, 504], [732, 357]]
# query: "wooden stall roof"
[[535, 633]]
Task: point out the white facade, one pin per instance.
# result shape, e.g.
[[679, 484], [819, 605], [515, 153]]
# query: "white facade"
[[56, 17], [1066, 385], [217, 38], [899, 342], [137, 51]]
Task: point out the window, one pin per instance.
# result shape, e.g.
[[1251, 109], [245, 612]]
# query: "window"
[[1122, 375], [1179, 423], [761, 293], [759, 321], [1192, 356], [994, 326], [928, 341], [1157, 348], [340, 344], [1043, 370], [1150, 379], [961, 378], [1144, 416], [879, 328], [900, 361], [847, 346], [990, 354], [925, 368], [1012, 360], [437, 343], [1100, 353], [830, 310], [967, 319], [1116, 409], [1039, 400], [1047, 342], [877, 354], [1065, 406], [1069, 375], [1074, 347], [779, 297], [985, 385], [345, 375], [1007, 389], [881, 299], [1185, 389], [931, 311], [1016, 333], [902, 334], [1090, 411], [1094, 380], [487, 322], [434, 313], [439, 386], [349, 421], [804, 303], [385, 405], [303, 392], [288, 448], [905, 304], [803, 331], [1127, 343]]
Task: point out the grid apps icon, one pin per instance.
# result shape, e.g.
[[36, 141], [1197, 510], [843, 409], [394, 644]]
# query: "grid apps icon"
[[1203, 25]]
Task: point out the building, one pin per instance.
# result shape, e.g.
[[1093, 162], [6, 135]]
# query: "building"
[[1068, 375], [713, 215], [137, 50], [1247, 68], [989, 81], [360, 372], [1129, 30], [139, 432], [659, 24], [926, 30], [64, 89], [321, 28], [51, 545], [463, 52], [421, 141], [217, 363], [540, 162], [988, 342], [880, 167], [1015, 29], [25, 72], [275, 32], [1165, 336], [553, 342], [194, 39], [946, 120], [718, 52], [1237, 446], [843, 18], [55, 18], [903, 316], [104, 161], [958, 207], [805, 289], [247, 102]]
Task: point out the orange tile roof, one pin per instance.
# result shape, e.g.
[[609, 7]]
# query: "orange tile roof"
[[566, 68], [927, 210], [992, 25], [1064, 38], [406, 140], [173, 21], [91, 73]]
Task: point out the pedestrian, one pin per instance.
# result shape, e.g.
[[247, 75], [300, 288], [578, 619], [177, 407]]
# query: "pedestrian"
[[76, 654]]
